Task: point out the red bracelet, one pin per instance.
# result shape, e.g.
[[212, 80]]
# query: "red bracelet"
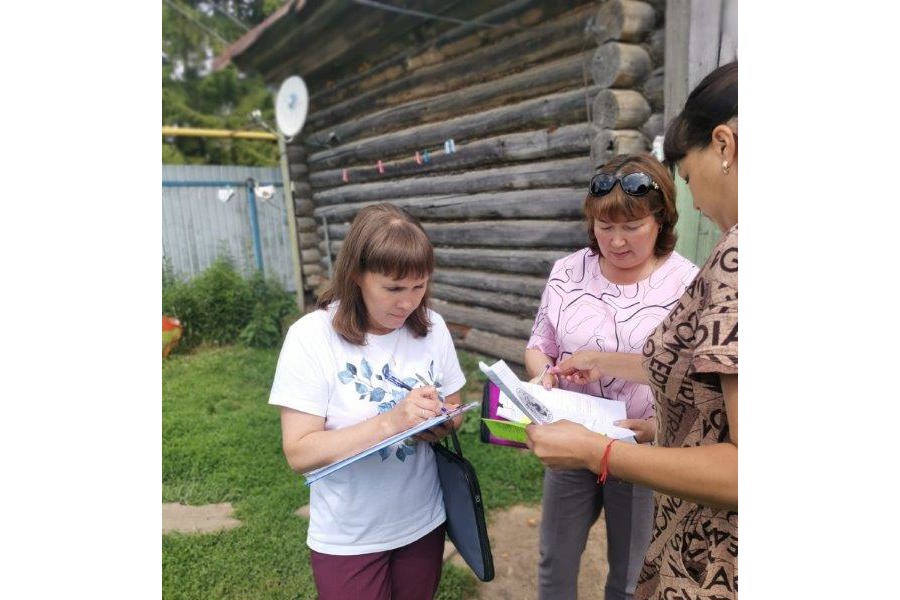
[[604, 463]]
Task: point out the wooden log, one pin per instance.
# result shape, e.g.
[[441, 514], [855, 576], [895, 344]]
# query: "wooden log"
[[445, 47], [335, 247], [526, 285], [555, 109], [303, 206], [484, 319], [653, 126], [297, 170], [312, 268], [531, 145], [495, 346], [526, 234], [625, 20], [313, 281], [655, 45], [307, 240], [659, 6], [296, 152], [310, 255], [532, 46], [611, 142], [269, 47], [533, 234], [544, 79], [619, 109], [306, 224], [570, 171], [511, 304], [507, 260], [301, 189], [545, 202], [620, 65], [653, 90]]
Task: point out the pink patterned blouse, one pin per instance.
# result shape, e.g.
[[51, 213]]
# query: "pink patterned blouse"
[[582, 310]]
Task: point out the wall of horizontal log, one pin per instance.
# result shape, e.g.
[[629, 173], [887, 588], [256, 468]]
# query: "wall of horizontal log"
[[533, 106]]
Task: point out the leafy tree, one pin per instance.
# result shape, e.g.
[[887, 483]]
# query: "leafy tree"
[[193, 33]]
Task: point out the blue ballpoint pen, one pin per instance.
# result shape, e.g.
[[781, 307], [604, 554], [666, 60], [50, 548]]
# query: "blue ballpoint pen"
[[399, 383]]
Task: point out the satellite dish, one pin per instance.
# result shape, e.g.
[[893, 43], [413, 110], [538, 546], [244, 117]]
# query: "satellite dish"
[[291, 105]]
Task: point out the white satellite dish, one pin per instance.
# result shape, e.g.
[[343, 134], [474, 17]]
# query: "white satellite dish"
[[291, 105]]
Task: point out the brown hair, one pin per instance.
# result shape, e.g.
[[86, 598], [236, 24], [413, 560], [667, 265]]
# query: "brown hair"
[[617, 205], [382, 239], [714, 101]]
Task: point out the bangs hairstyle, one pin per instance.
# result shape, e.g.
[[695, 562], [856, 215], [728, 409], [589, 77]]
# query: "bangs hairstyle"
[[382, 239], [619, 206], [713, 102]]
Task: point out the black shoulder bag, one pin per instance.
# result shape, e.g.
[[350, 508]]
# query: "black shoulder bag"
[[464, 506]]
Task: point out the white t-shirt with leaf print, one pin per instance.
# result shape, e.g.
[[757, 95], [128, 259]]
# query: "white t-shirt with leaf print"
[[387, 499]]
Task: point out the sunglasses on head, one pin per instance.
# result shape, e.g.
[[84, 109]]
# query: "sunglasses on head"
[[633, 184]]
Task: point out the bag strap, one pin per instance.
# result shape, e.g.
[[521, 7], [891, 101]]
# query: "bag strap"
[[456, 446]]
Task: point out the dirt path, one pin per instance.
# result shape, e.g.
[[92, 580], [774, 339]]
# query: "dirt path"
[[514, 543]]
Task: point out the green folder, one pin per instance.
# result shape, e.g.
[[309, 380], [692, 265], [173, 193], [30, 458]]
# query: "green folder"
[[507, 430]]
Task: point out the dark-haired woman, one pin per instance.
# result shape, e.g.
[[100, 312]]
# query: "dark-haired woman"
[[607, 297], [691, 363], [376, 528]]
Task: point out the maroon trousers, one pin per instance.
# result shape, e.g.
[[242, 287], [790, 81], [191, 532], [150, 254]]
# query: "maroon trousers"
[[411, 572]]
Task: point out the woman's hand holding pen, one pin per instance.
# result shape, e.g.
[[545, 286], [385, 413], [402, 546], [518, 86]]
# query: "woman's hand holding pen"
[[439, 432], [546, 379], [419, 405], [580, 368]]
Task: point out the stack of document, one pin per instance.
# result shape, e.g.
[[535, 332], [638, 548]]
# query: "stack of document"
[[523, 403]]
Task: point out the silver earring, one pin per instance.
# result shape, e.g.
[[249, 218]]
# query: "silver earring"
[[725, 167]]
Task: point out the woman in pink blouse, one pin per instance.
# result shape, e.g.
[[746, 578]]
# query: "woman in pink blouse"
[[609, 297]]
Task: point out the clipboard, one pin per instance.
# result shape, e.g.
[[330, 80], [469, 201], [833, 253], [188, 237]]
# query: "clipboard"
[[316, 474]]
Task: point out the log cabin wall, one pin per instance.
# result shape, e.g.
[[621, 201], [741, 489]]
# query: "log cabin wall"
[[532, 107]]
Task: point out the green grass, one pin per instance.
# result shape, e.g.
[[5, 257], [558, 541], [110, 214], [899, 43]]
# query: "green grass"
[[222, 443]]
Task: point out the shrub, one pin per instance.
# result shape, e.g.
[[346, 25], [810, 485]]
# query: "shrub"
[[271, 311], [221, 307]]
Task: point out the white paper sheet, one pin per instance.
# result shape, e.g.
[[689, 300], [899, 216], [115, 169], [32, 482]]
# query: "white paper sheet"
[[596, 413]]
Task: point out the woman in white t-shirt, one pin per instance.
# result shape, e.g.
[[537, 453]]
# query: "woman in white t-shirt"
[[376, 527]]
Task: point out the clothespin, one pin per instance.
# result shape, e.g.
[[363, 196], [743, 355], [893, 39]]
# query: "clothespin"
[[426, 157], [345, 176], [418, 158], [380, 167], [449, 147]]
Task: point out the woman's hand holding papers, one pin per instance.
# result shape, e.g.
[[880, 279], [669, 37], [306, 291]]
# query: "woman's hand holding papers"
[[644, 429], [566, 445]]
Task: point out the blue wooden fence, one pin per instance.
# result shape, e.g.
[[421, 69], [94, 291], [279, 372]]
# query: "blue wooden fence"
[[199, 225]]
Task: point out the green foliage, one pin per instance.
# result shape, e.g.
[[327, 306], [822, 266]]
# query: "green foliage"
[[193, 97], [221, 442], [456, 583], [274, 307], [220, 307]]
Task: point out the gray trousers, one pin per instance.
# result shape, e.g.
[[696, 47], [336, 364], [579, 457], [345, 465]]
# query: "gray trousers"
[[571, 504]]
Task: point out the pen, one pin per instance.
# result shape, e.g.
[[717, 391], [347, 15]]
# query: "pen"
[[540, 378], [399, 383]]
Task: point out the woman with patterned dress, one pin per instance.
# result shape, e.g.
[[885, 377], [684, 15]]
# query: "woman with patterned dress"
[[691, 363], [607, 297], [376, 529]]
